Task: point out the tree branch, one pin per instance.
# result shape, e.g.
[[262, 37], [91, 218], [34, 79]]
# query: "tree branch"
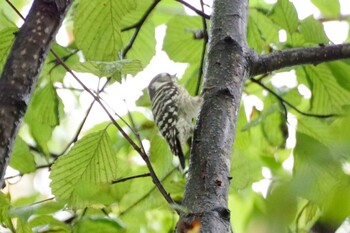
[[137, 27], [204, 50], [22, 69], [201, 13], [285, 102], [261, 64]]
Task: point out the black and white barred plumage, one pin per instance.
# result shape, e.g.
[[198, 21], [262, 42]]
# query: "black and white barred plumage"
[[173, 110]]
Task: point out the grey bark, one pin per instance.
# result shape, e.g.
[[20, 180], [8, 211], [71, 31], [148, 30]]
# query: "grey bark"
[[22, 69], [298, 56], [206, 192]]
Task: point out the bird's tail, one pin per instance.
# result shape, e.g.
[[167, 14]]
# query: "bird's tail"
[[179, 153]]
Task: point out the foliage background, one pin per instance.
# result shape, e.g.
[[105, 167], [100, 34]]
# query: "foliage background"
[[67, 137]]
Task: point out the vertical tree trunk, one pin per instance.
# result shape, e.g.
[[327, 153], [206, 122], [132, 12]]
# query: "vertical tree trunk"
[[206, 193], [22, 69]]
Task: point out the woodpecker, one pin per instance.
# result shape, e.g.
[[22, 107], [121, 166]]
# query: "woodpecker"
[[173, 111]]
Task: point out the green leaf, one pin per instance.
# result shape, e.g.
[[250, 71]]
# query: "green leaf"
[[254, 38], [166, 10], [327, 96], [274, 126], [25, 211], [6, 39], [340, 71], [50, 224], [246, 167], [97, 28], [313, 31], [328, 9], [179, 42], [317, 172], [144, 47], [91, 161], [54, 72], [22, 159], [4, 209], [43, 115], [190, 78], [160, 155], [5, 21], [334, 135], [23, 226], [43, 107], [99, 224], [285, 15], [144, 100], [41, 134], [261, 31], [109, 69]]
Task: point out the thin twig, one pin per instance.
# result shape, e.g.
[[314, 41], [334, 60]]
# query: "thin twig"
[[137, 27], [201, 13], [134, 127], [130, 178], [15, 9], [22, 174], [205, 42], [283, 101], [81, 125], [146, 195]]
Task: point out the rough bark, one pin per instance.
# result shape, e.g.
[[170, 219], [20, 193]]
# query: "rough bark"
[[298, 56], [206, 192], [22, 69]]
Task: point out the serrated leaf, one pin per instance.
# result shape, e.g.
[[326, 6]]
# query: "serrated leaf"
[[285, 15], [99, 224], [327, 96], [340, 71], [313, 31], [179, 42], [6, 39], [43, 107], [261, 31], [253, 36], [22, 159], [97, 28], [144, 47], [91, 160], [328, 9], [109, 69]]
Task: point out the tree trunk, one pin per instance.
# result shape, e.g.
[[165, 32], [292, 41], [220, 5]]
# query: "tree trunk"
[[22, 69], [206, 193]]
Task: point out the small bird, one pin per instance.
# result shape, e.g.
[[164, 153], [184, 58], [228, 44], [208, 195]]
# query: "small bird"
[[173, 111]]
